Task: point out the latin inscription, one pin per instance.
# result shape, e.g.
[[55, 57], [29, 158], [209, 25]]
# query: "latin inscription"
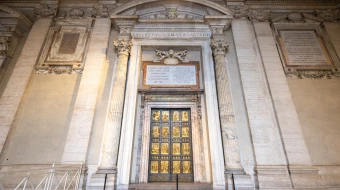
[[170, 75], [69, 43], [303, 48]]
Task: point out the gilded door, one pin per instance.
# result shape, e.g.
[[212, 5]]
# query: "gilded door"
[[170, 145]]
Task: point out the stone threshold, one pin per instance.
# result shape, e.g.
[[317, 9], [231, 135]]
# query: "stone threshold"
[[171, 186]]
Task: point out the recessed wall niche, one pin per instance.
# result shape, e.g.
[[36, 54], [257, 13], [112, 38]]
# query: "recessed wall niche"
[[65, 47]]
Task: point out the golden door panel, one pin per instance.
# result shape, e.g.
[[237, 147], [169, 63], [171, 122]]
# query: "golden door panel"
[[170, 146]]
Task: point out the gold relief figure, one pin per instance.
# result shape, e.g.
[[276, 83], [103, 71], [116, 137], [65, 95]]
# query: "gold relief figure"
[[176, 148], [185, 116], [175, 132], [156, 116], [186, 148], [165, 148], [186, 167], [165, 131], [165, 116], [164, 166], [185, 131], [155, 131], [154, 148], [154, 166], [175, 116], [176, 167]]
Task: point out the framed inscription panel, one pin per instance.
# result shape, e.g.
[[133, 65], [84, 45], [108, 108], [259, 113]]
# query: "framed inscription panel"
[[306, 50], [303, 48], [159, 75]]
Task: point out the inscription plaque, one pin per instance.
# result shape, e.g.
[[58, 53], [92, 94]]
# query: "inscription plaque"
[[303, 48], [69, 43], [160, 76]]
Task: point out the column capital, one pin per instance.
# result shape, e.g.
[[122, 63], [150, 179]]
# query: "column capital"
[[123, 46], [219, 47]]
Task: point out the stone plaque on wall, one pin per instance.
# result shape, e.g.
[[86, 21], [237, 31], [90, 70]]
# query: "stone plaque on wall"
[[157, 75], [303, 48], [65, 47]]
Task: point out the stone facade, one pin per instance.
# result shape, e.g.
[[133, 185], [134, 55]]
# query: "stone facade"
[[263, 95]]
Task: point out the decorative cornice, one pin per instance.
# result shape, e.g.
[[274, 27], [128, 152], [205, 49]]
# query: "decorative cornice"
[[4, 45], [123, 46], [44, 10], [219, 47], [260, 15]]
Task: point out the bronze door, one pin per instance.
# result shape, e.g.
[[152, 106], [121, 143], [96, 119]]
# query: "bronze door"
[[170, 146]]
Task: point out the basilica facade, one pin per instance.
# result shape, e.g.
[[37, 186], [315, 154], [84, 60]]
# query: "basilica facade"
[[141, 94]]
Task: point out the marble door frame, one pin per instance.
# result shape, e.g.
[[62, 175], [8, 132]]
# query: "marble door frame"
[[210, 126]]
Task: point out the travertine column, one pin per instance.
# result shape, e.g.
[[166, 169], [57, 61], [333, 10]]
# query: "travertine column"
[[227, 117], [16, 85], [83, 114], [109, 154]]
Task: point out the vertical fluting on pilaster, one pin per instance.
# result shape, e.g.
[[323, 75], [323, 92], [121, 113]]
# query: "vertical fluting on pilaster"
[[113, 122], [226, 110]]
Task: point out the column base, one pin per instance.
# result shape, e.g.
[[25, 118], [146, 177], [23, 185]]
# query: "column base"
[[238, 178], [306, 177], [97, 182]]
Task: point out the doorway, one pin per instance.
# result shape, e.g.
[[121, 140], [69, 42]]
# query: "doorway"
[[170, 145]]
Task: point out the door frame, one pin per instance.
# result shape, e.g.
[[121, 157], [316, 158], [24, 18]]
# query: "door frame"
[[197, 143]]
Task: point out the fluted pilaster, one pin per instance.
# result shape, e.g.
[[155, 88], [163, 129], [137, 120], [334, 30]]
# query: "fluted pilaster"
[[108, 161]]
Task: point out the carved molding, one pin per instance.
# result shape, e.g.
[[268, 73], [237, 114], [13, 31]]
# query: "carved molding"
[[44, 10], [171, 57], [260, 15], [219, 46], [4, 45], [123, 46]]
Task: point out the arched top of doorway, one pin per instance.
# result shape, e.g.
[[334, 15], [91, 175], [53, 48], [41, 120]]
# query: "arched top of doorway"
[[181, 8]]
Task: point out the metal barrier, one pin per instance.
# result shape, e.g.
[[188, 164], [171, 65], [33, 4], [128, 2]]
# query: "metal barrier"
[[56, 177]]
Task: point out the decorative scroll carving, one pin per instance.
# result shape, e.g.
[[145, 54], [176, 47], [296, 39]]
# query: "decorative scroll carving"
[[4, 45], [313, 74], [171, 55], [101, 11], [219, 46], [240, 11], [328, 15], [76, 13], [44, 10], [260, 15], [123, 46]]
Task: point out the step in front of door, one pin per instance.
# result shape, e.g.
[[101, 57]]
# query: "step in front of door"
[[171, 186]]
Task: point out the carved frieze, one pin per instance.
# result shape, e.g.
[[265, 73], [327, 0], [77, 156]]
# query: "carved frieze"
[[219, 46], [328, 15], [313, 75], [44, 10], [260, 15], [65, 46], [239, 11], [75, 13], [102, 11], [4, 45]]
